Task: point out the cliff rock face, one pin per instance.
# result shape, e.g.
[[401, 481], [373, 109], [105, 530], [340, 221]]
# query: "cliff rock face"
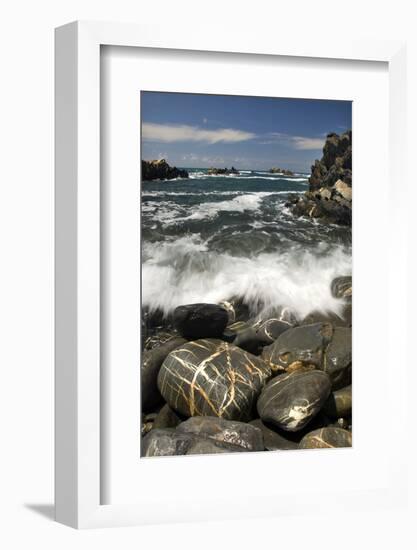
[[330, 194], [336, 163], [160, 170]]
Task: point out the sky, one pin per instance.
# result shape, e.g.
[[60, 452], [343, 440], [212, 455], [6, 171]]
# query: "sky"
[[199, 131]]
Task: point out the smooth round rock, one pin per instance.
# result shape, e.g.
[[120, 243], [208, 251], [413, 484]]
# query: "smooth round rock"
[[344, 319], [341, 287], [151, 363], [274, 439], [339, 403], [166, 418], [212, 378], [337, 362], [298, 346], [246, 436], [326, 438], [268, 331], [290, 401], [196, 321]]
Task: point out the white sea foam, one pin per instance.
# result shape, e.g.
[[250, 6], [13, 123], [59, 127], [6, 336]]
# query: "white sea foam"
[[184, 271]]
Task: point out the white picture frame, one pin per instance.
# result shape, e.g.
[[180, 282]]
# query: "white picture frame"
[[79, 407]]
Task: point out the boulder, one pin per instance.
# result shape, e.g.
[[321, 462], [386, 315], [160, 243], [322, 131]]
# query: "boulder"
[[222, 171], [248, 437], [274, 439], [283, 171], [337, 361], [290, 401], [195, 321], [151, 363], [339, 403], [325, 438], [173, 443], [160, 170], [298, 346], [166, 418], [341, 287], [212, 378]]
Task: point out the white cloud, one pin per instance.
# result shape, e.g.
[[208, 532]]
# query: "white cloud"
[[167, 133], [306, 143]]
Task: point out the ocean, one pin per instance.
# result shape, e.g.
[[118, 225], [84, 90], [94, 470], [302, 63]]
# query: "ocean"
[[212, 238]]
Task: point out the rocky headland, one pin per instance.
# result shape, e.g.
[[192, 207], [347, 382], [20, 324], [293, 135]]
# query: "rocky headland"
[[160, 170], [216, 380], [329, 197]]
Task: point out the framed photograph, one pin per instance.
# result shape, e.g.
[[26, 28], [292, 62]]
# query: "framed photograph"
[[230, 275]]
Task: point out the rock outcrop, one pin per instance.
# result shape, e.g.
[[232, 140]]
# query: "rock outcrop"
[[329, 197], [283, 171], [222, 171], [161, 170]]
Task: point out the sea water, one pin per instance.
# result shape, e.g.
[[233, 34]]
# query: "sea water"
[[211, 238]]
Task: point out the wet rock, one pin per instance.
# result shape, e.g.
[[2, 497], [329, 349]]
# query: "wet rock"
[[160, 338], [231, 331], [274, 439], [250, 341], [342, 320], [339, 403], [195, 321], [298, 346], [166, 418], [151, 363], [341, 287], [160, 170], [326, 438], [236, 309], [212, 378], [337, 361], [268, 331], [148, 422], [248, 437], [290, 401], [201, 446]]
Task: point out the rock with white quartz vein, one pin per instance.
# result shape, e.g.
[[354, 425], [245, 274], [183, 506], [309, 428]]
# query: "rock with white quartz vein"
[[212, 378], [243, 435], [326, 438], [290, 401]]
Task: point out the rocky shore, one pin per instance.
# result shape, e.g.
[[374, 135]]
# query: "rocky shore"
[[216, 380], [329, 197], [160, 170]]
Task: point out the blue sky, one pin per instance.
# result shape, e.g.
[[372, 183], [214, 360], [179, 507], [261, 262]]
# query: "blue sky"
[[191, 130]]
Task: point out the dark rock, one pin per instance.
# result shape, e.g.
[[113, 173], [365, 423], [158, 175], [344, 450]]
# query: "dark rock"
[[341, 287], [165, 443], [268, 331], [337, 362], [274, 439], [212, 378], [222, 171], [172, 443], [290, 401], [166, 418], [283, 171], [160, 170], [195, 321], [326, 438], [342, 320], [236, 308], [230, 432], [160, 338], [250, 341], [298, 347], [339, 403], [151, 363]]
